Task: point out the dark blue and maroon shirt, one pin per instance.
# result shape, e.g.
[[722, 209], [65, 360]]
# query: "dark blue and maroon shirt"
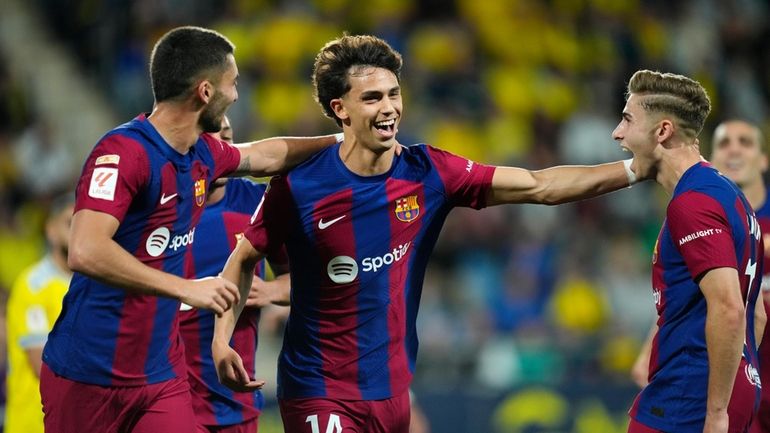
[[709, 224], [106, 335], [763, 414], [358, 248], [220, 227]]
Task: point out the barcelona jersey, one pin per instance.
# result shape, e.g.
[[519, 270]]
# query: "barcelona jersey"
[[220, 227], [106, 335], [709, 224], [358, 248]]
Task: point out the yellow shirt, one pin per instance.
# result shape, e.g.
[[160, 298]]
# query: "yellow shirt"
[[33, 306]]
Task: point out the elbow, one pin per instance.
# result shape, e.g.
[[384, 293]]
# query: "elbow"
[[79, 259]]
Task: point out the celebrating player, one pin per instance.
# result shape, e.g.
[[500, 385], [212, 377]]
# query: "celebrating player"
[[359, 222], [706, 268], [114, 360]]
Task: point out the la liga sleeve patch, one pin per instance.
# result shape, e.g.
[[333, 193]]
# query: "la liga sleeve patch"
[[103, 183]]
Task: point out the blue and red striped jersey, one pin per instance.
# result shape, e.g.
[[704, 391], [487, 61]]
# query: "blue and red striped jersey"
[[106, 335], [709, 224], [358, 248], [763, 414], [220, 227]]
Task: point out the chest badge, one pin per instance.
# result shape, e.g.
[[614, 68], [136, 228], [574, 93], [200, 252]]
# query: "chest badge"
[[407, 208], [200, 192]]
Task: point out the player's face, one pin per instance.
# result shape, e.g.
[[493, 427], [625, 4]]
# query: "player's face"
[[737, 152], [636, 134], [225, 93], [372, 108]]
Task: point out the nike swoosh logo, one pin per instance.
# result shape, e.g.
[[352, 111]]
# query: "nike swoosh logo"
[[164, 199], [322, 225]]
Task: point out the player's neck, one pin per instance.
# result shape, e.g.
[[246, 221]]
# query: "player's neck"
[[178, 127], [755, 192], [364, 161], [674, 163]]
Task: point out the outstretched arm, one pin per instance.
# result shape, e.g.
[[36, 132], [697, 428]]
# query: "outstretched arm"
[[725, 333], [276, 155], [239, 269], [95, 253], [556, 185]]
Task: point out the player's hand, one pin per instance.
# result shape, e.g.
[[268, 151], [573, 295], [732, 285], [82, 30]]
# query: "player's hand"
[[212, 293], [230, 370], [716, 422], [260, 294]]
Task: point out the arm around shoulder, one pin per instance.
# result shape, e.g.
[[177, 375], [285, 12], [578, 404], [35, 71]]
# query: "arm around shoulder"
[[276, 155]]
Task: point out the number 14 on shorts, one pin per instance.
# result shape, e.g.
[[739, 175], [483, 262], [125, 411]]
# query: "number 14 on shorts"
[[333, 426]]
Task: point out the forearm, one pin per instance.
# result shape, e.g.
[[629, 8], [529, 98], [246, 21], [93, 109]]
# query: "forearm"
[[556, 185], [106, 261], [239, 269], [725, 331], [641, 369], [276, 155], [35, 359], [281, 289]]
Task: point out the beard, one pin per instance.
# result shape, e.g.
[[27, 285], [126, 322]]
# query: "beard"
[[212, 115]]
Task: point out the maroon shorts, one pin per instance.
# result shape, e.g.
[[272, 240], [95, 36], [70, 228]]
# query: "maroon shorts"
[[75, 407], [249, 426], [741, 407], [743, 400], [324, 415]]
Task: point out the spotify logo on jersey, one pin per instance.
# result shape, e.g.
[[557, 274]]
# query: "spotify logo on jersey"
[[157, 241], [342, 269]]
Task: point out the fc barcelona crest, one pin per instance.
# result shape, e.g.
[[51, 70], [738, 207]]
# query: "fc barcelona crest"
[[200, 192], [407, 208]]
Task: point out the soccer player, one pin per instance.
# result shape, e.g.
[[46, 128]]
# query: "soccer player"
[[738, 151], [228, 209], [33, 306], [114, 360], [359, 222], [706, 268]]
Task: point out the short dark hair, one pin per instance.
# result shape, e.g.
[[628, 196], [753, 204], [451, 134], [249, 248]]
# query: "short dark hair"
[[183, 55], [334, 61], [673, 94]]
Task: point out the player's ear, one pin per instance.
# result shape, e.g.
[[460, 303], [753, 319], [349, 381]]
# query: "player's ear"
[[339, 109], [763, 162], [204, 91], [664, 131]]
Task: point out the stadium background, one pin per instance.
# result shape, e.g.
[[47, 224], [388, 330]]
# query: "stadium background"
[[531, 315]]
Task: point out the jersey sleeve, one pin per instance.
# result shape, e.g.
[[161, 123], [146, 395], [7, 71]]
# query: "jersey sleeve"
[[700, 230], [226, 156], [27, 316], [116, 169], [466, 183], [269, 224]]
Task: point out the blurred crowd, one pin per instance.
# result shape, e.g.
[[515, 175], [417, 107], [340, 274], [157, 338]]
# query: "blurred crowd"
[[514, 295]]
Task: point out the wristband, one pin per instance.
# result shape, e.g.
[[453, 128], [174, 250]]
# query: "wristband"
[[629, 173], [339, 137]]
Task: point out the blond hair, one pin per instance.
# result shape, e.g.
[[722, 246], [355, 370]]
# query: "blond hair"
[[681, 97]]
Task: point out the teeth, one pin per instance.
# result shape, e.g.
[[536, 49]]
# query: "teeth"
[[385, 123]]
